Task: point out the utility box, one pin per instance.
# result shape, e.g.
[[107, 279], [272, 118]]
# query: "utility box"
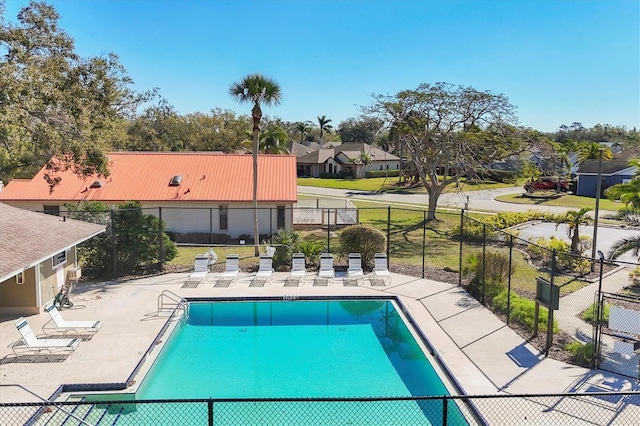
[[74, 274]]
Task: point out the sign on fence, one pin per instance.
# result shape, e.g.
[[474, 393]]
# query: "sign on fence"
[[544, 293]]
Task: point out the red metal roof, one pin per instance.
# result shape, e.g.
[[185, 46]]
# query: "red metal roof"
[[145, 176]]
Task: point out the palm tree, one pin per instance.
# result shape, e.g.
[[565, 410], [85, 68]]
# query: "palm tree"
[[323, 122], [304, 128], [624, 245], [274, 140], [591, 151], [573, 219], [257, 90], [628, 193]]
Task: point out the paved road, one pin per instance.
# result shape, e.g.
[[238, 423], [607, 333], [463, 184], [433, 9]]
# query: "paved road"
[[482, 200]]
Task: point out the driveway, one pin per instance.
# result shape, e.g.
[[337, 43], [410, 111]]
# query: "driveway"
[[481, 200]]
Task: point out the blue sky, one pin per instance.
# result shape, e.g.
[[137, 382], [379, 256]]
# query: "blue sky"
[[558, 61]]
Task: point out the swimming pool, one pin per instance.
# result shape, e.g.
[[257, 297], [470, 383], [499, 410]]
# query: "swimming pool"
[[269, 349], [265, 349]]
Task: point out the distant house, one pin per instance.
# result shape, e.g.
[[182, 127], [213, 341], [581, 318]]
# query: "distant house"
[[37, 257], [193, 192], [612, 173], [346, 158]]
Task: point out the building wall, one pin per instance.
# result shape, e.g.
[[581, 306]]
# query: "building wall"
[[19, 299], [587, 184], [187, 217]]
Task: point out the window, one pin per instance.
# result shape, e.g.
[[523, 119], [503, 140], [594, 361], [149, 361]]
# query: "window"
[[58, 259], [224, 223], [20, 278], [280, 217], [52, 210]]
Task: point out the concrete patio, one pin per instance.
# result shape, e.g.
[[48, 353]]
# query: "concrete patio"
[[479, 350]]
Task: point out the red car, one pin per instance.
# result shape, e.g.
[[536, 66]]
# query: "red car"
[[545, 184]]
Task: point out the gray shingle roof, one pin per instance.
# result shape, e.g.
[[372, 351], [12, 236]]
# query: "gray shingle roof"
[[27, 237], [609, 167]]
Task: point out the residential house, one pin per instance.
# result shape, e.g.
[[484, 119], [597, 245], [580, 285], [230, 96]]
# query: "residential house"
[[193, 192], [37, 257], [352, 159], [612, 173]]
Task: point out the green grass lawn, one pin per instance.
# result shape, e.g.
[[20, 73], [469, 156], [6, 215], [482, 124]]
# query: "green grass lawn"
[[389, 184], [572, 201]]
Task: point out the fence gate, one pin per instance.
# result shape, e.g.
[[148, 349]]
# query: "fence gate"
[[617, 335]]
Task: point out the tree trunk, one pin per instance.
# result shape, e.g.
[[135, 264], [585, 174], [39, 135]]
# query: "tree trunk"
[[257, 116]]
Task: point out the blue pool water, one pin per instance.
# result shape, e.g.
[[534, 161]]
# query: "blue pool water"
[[291, 349], [278, 349]]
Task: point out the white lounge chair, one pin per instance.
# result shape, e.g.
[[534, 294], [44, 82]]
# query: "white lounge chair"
[[381, 274], [30, 343], [231, 270], [298, 270], [59, 325], [326, 273], [200, 271], [265, 272], [354, 270]]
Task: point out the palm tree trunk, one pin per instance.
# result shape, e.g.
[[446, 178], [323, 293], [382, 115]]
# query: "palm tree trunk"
[[257, 116]]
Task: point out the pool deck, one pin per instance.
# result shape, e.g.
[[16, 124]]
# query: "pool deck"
[[483, 354]]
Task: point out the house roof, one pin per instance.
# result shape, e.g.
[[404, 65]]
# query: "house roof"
[[299, 149], [351, 150], [145, 176], [609, 167], [319, 156], [27, 238]]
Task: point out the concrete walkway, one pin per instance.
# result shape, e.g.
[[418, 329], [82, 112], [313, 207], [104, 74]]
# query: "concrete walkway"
[[481, 352], [572, 305]]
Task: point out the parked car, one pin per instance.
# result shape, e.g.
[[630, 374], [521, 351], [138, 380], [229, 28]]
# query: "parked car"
[[546, 184]]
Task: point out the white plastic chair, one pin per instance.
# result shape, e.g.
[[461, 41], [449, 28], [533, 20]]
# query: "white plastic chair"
[[200, 271], [58, 324], [298, 269], [265, 272], [354, 270], [381, 270], [29, 343], [326, 272], [231, 270]]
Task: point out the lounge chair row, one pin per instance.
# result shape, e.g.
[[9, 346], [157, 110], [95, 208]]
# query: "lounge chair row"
[[33, 345], [326, 273]]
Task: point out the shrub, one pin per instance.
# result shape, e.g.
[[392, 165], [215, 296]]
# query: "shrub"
[[311, 251], [522, 311], [589, 314], [382, 173], [286, 243], [581, 354], [634, 276], [362, 239], [496, 273], [542, 250], [503, 176]]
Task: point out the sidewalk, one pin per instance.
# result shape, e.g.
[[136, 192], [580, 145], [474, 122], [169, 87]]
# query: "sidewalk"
[[481, 352]]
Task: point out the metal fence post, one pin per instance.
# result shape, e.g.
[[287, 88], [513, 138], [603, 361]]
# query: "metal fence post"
[[210, 411], [460, 256], [424, 238], [388, 230], [161, 239], [509, 278], [113, 243], [328, 231], [484, 260], [445, 408], [551, 304]]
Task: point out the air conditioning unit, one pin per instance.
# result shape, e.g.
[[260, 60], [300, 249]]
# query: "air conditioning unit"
[[74, 274]]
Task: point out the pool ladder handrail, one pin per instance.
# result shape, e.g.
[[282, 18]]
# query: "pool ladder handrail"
[[68, 413], [177, 302]]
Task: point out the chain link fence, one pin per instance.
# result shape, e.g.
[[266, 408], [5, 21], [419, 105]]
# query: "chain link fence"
[[617, 335], [500, 269], [542, 409]]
